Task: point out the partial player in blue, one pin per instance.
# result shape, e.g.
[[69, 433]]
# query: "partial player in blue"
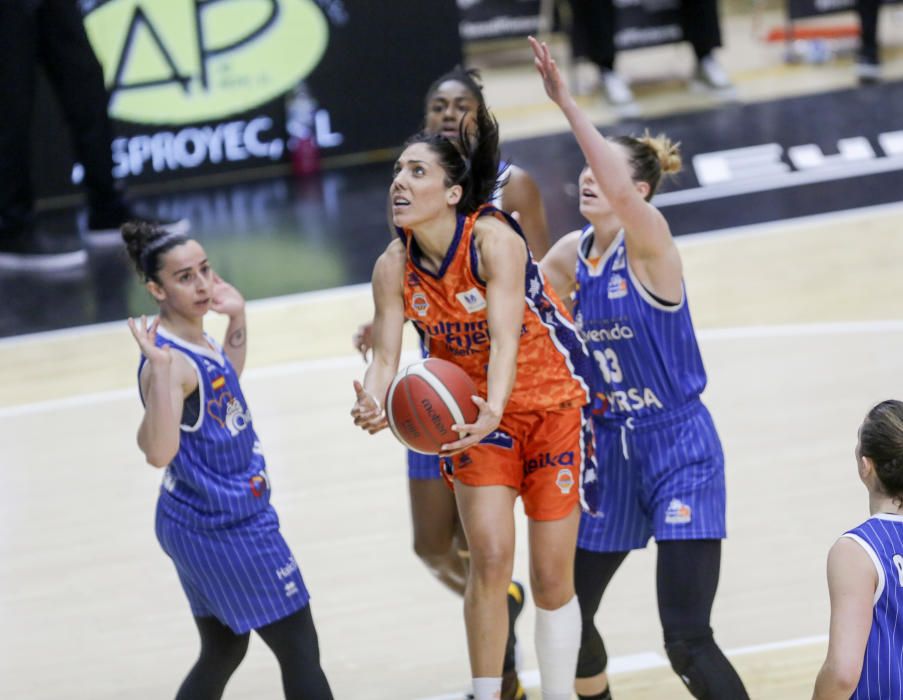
[[214, 518], [439, 540], [865, 574], [661, 464]]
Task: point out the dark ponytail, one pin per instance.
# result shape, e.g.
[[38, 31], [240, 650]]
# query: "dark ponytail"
[[881, 440], [146, 245], [472, 163]]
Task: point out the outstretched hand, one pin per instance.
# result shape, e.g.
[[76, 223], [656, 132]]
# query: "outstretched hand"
[[487, 421], [366, 411], [146, 337], [552, 81]]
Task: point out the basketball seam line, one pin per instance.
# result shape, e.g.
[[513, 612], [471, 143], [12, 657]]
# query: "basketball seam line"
[[434, 381], [412, 408]]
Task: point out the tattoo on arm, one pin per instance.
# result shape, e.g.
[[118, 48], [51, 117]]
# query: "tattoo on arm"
[[237, 338]]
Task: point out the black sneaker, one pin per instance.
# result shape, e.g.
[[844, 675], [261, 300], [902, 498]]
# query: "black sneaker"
[[26, 249], [104, 226], [511, 686]]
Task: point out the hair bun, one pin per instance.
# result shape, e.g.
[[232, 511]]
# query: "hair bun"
[[667, 152]]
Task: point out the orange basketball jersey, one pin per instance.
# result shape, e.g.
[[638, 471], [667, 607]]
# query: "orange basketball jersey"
[[449, 308]]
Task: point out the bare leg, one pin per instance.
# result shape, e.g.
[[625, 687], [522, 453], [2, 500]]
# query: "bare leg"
[[487, 513], [553, 545], [438, 537]]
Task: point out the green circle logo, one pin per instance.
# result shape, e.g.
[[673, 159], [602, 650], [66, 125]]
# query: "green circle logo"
[[184, 61]]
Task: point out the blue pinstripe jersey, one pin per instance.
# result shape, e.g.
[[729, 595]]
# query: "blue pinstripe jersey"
[[882, 668], [646, 356], [218, 476]]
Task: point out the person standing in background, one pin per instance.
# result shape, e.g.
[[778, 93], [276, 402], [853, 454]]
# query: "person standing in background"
[[51, 34], [593, 34]]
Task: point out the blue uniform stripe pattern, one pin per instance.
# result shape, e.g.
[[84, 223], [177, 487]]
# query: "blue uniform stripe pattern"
[[661, 461], [881, 536], [646, 356], [214, 518]]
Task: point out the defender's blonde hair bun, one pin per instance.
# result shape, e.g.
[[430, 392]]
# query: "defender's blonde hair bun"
[[666, 150]]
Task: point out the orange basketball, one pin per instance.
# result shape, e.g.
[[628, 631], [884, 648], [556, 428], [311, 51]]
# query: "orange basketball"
[[425, 399]]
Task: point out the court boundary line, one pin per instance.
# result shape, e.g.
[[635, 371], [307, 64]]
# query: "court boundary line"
[[336, 293], [311, 365], [645, 661]]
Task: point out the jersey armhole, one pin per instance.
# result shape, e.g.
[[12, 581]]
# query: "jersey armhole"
[[647, 296], [201, 395], [879, 589]]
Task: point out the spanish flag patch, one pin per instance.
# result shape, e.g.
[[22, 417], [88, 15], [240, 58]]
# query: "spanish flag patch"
[[219, 382]]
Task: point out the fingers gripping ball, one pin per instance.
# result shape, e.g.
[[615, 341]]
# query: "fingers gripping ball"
[[425, 399]]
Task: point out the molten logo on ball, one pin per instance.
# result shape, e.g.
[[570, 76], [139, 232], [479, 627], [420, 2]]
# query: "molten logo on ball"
[[425, 400]]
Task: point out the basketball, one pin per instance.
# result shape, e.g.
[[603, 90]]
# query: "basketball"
[[425, 400]]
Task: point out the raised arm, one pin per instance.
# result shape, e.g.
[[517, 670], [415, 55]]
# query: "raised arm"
[[502, 264], [852, 581], [559, 266], [522, 195], [649, 241], [166, 379], [386, 335], [228, 300]]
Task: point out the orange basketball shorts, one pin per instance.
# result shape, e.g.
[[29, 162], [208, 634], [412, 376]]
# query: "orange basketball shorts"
[[540, 454]]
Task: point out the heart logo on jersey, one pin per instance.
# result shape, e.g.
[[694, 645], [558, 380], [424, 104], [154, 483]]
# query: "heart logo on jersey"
[[218, 408], [234, 417]]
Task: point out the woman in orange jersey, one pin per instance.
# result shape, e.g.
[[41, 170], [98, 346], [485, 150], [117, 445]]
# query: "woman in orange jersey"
[[470, 264], [454, 98]]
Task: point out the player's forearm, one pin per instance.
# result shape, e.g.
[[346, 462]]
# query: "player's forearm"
[[235, 344], [608, 168], [379, 375], [158, 435], [501, 373], [833, 683]]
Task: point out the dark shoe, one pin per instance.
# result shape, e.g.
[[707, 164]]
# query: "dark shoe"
[[105, 226], [511, 687], [33, 250]]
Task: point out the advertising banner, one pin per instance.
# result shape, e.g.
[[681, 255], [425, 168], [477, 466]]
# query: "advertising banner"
[[208, 86], [496, 19], [643, 23], [639, 22]]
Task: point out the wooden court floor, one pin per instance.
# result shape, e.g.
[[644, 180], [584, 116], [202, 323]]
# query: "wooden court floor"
[[801, 333]]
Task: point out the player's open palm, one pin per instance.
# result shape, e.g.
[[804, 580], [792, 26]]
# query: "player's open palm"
[[225, 298], [146, 337], [552, 81], [366, 411], [471, 433]]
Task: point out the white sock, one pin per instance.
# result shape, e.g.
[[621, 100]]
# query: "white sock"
[[487, 688], [557, 647]]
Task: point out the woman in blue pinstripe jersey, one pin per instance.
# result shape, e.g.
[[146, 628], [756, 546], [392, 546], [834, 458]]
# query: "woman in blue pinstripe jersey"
[[214, 518]]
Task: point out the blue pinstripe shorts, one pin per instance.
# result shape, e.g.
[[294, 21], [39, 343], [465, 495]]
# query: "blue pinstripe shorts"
[[243, 575], [423, 466], [661, 476]]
